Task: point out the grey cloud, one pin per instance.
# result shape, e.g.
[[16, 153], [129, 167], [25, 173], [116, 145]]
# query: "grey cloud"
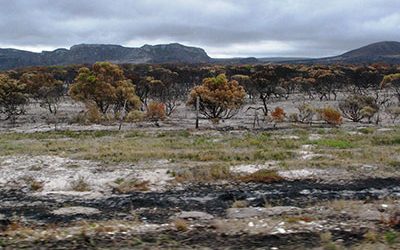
[[308, 27]]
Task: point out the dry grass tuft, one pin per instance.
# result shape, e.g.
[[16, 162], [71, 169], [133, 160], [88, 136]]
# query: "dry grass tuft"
[[132, 185], [240, 204], [80, 185], [181, 225], [263, 176], [204, 174]]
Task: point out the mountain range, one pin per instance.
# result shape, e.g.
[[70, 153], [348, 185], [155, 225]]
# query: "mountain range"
[[387, 52]]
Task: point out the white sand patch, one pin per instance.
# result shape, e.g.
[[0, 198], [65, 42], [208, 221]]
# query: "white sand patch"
[[311, 173], [306, 153], [314, 137], [252, 168], [57, 174], [157, 178], [354, 133], [301, 173]]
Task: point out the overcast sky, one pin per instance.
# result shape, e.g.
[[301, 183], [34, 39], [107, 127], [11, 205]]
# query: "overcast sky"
[[223, 28]]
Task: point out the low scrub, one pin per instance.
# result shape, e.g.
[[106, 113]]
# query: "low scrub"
[[278, 115], [331, 116]]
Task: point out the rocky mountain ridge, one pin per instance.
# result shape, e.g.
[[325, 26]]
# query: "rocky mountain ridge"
[[386, 52]]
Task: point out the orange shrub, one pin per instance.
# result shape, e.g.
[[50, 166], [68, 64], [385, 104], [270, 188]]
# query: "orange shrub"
[[156, 111], [278, 114], [331, 116]]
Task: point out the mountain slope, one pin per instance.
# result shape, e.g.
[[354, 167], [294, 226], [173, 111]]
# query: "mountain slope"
[[386, 52], [375, 49], [91, 53]]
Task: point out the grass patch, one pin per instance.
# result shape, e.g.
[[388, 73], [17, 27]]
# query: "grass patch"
[[368, 130], [223, 148], [386, 140], [334, 143]]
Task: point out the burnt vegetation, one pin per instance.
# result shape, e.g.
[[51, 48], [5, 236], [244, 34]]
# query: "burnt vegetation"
[[112, 92]]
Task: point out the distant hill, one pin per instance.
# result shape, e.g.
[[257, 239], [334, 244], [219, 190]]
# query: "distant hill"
[[387, 52], [91, 53]]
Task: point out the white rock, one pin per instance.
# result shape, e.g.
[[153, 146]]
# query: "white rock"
[[281, 230], [196, 215], [292, 137], [76, 210]]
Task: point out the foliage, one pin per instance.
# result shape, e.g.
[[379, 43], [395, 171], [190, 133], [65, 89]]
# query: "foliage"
[[93, 115], [163, 87], [392, 81], [265, 83], [156, 112], [326, 81], [13, 97], [358, 107], [306, 113], [394, 112], [106, 86], [45, 88], [219, 99], [135, 116], [331, 115], [278, 115]]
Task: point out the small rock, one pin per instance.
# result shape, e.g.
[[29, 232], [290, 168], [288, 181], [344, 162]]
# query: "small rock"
[[251, 224], [194, 215], [369, 167], [281, 230], [75, 211], [305, 192]]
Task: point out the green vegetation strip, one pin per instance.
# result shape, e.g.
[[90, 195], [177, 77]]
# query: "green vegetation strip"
[[208, 146]]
